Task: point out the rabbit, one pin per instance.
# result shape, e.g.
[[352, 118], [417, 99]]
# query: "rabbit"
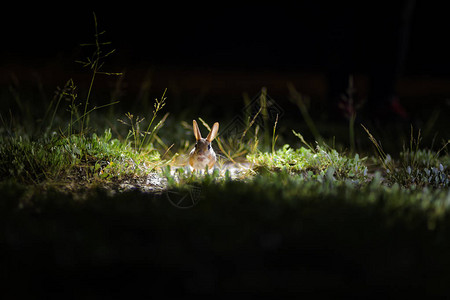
[[203, 154]]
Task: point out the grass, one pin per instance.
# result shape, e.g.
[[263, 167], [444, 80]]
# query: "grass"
[[309, 163], [118, 205]]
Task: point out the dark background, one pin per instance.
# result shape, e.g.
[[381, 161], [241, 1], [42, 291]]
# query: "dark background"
[[224, 49], [223, 34]]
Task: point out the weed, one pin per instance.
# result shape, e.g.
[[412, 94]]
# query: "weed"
[[140, 137], [302, 103], [274, 137], [416, 167], [159, 104], [95, 63], [348, 106], [135, 131]]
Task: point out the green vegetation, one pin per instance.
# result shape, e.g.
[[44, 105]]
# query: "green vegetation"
[[312, 162]]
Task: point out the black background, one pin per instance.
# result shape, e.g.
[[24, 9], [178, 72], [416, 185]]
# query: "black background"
[[213, 53], [219, 34]]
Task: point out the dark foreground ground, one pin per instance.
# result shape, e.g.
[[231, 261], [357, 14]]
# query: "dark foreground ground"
[[243, 239]]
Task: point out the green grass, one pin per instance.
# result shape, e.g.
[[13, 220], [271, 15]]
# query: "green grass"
[[311, 162], [47, 160]]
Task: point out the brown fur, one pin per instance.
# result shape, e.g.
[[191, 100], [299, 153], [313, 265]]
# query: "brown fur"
[[201, 148]]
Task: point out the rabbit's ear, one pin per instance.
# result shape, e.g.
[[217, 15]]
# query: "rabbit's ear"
[[213, 132], [197, 133]]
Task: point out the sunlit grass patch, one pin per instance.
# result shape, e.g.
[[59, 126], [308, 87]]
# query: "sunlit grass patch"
[[55, 158], [311, 162]]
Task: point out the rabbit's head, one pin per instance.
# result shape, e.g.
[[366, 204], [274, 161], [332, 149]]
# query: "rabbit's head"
[[203, 154]]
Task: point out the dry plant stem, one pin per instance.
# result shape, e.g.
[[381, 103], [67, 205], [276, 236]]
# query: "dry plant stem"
[[274, 138], [352, 133], [302, 139], [95, 64], [250, 125], [381, 154], [265, 116], [158, 106], [94, 67], [298, 100]]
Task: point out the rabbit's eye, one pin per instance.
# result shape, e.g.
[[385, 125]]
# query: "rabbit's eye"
[[209, 146]]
